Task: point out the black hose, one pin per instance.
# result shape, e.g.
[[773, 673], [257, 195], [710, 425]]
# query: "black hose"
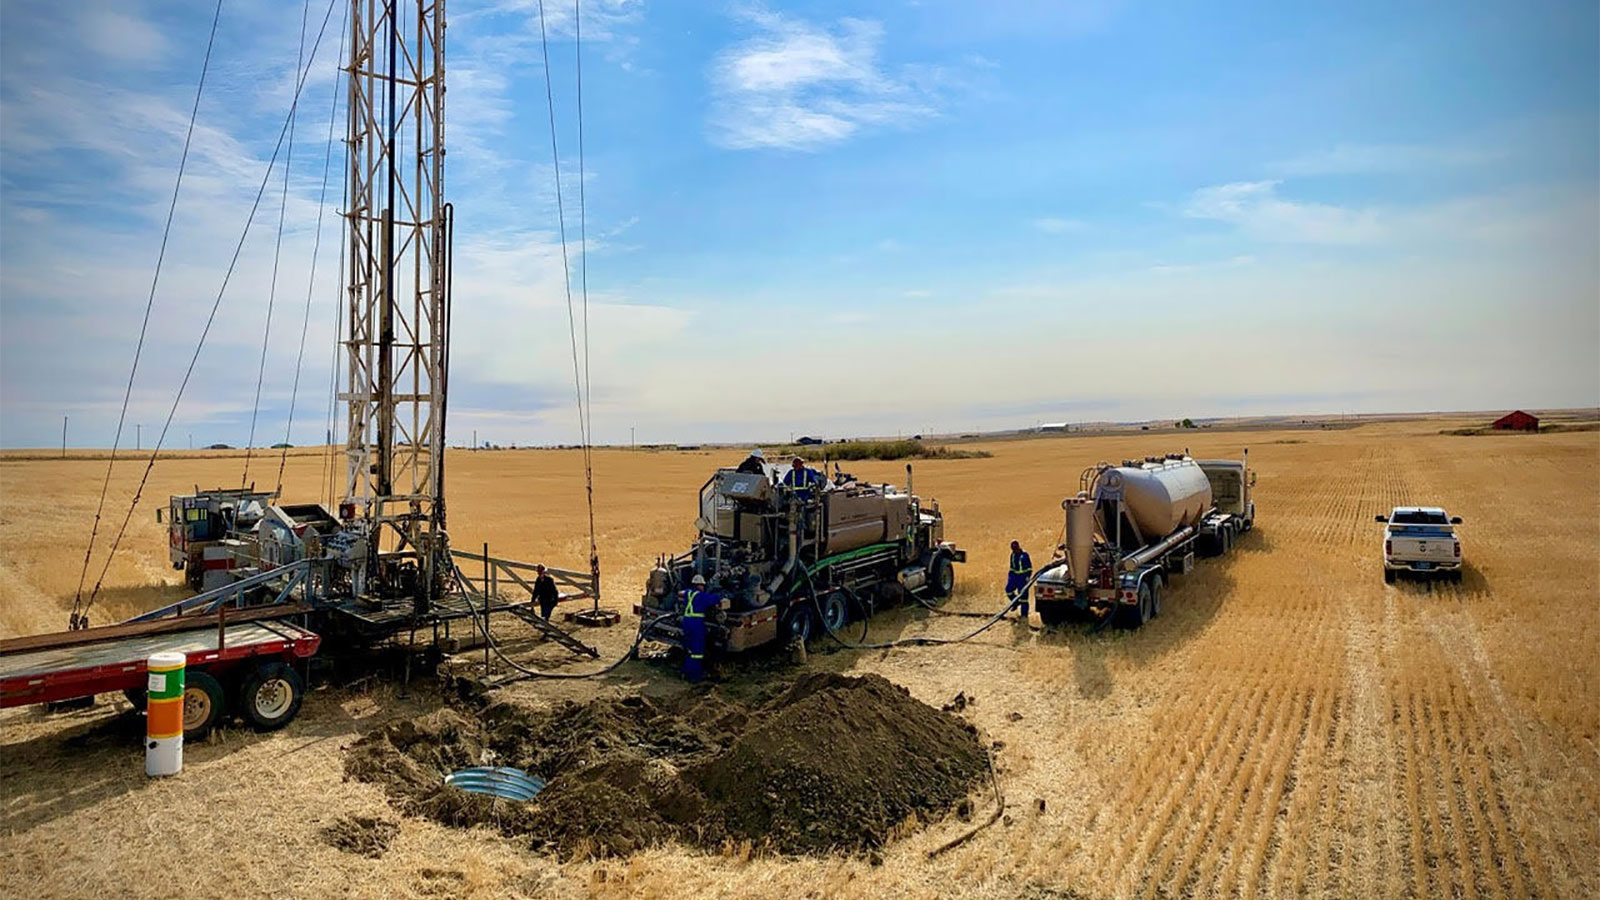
[[900, 642]]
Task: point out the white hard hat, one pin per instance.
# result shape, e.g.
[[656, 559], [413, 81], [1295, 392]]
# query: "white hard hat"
[[757, 453], [699, 580]]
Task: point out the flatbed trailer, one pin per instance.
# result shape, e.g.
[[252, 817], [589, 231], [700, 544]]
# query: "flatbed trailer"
[[243, 666]]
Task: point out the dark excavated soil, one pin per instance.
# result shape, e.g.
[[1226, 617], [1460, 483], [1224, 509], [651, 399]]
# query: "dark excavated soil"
[[828, 763]]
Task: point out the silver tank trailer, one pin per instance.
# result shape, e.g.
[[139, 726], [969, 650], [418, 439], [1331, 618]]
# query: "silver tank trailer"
[[1161, 498]]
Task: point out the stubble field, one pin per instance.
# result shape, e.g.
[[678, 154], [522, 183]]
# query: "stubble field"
[[1290, 726]]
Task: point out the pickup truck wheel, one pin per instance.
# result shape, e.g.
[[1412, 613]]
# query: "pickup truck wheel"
[[271, 696], [204, 704], [1388, 576]]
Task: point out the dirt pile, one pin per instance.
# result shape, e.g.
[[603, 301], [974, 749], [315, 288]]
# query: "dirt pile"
[[825, 763], [363, 835]]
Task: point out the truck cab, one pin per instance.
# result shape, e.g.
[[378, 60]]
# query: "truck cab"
[[1422, 540], [204, 521]]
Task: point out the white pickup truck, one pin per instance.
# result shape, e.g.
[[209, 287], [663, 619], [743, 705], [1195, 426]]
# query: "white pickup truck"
[[1421, 539]]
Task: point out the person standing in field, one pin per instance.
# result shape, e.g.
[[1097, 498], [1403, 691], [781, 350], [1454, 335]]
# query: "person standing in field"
[[1020, 572], [544, 592], [697, 601]]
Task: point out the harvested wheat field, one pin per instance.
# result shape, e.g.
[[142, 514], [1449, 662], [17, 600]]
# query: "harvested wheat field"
[[1289, 727]]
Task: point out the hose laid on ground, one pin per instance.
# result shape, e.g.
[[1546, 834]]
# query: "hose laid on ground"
[[999, 810], [644, 628], [816, 606]]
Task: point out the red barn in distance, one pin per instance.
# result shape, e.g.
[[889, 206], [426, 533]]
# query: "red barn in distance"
[[1516, 421]]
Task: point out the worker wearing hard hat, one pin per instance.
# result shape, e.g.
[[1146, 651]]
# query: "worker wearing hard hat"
[[1017, 578], [754, 464], [697, 601], [801, 480]]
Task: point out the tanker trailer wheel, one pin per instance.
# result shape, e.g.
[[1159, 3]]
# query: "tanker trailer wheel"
[[1052, 613], [1155, 600], [941, 577], [835, 611], [1131, 617], [204, 704], [271, 695]]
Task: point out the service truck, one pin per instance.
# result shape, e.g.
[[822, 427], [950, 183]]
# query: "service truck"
[[791, 563]]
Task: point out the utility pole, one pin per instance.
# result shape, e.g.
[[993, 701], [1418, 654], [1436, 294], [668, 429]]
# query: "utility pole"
[[63, 437], [191, 440], [630, 436], [138, 437], [474, 438]]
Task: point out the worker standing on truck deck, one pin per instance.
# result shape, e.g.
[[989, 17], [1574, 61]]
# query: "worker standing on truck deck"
[[754, 464], [697, 601], [801, 480], [1017, 578], [545, 593]]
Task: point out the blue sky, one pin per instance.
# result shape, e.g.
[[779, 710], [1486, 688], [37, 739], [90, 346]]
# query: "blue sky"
[[841, 218]]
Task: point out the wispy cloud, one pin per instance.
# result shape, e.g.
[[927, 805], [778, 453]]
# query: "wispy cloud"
[[1366, 159], [1053, 225], [1256, 208], [800, 86]]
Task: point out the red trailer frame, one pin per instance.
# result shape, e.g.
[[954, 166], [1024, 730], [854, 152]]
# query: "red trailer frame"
[[68, 671]]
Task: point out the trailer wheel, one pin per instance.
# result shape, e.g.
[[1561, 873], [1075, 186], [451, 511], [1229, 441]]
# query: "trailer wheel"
[[1131, 617], [1155, 600], [271, 695], [1052, 613], [204, 704], [941, 577], [835, 611]]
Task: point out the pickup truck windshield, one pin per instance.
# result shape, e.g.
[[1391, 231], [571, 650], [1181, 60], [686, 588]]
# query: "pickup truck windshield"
[[1417, 517]]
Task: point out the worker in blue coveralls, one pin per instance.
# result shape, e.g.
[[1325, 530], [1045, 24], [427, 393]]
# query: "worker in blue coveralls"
[[1017, 578], [801, 480], [697, 601]]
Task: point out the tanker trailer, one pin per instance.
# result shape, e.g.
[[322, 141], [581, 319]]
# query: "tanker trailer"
[[789, 564], [1130, 528]]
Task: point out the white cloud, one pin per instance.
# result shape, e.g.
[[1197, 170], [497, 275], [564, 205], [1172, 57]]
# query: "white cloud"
[[1256, 208], [800, 86], [1057, 226], [120, 35]]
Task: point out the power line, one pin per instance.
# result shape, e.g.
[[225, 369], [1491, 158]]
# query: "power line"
[[205, 332], [277, 250], [161, 255], [316, 248]]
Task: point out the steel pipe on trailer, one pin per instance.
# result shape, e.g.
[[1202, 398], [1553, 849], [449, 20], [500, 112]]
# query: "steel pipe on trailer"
[[208, 601], [1155, 551]]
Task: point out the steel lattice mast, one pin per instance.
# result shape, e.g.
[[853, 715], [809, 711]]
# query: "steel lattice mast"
[[398, 264]]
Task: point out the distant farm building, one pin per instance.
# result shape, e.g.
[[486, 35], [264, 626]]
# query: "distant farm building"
[[1053, 426], [1516, 421]]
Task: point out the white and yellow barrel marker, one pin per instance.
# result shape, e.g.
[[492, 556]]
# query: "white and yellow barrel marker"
[[163, 744]]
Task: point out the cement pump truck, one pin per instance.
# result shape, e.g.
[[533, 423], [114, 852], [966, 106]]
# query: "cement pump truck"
[[792, 563], [1130, 528]]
